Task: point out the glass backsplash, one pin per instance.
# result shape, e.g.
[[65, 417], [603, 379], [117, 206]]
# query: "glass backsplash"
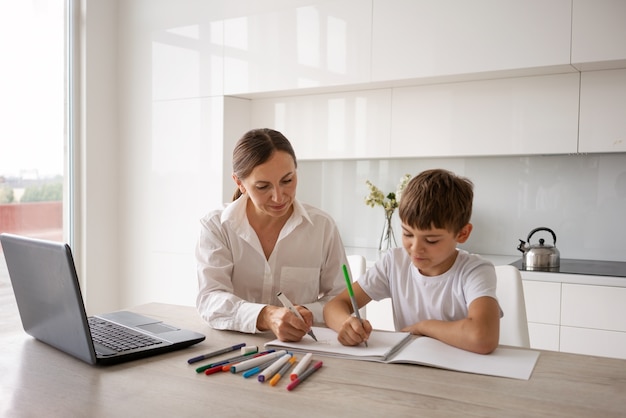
[[582, 198]]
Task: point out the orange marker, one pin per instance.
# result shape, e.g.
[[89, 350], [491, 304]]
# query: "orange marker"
[[282, 371]]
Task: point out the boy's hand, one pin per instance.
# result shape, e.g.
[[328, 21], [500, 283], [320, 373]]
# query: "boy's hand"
[[354, 332], [413, 329]]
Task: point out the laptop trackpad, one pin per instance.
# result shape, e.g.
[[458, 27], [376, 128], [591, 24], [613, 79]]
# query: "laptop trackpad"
[[157, 328], [131, 319]]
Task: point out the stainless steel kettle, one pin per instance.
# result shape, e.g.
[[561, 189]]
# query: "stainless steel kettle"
[[542, 257]]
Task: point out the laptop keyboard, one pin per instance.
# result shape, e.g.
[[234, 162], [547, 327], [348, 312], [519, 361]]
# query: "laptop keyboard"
[[117, 337]]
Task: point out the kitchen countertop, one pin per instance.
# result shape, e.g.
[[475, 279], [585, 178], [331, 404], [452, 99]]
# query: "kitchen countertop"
[[589, 272], [585, 272], [588, 267]]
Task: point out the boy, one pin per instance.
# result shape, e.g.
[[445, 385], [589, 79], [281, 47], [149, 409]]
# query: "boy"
[[436, 289]]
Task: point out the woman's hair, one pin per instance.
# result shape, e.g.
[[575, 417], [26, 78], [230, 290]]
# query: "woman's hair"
[[254, 148], [437, 199]]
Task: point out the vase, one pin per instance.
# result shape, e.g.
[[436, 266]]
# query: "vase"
[[387, 238]]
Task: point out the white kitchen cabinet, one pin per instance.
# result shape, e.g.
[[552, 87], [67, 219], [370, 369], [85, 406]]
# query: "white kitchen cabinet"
[[330, 126], [307, 44], [603, 110], [592, 320], [593, 342], [574, 317], [513, 116], [543, 301], [421, 39], [543, 311], [598, 34], [596, 307]]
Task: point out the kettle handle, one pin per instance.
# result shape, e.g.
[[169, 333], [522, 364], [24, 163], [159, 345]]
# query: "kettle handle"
[[542, 229]]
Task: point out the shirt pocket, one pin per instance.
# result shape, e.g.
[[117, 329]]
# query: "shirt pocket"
[[300, 284]]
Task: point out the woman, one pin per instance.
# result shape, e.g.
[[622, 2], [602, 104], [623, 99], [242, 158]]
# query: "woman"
[[266, 242]]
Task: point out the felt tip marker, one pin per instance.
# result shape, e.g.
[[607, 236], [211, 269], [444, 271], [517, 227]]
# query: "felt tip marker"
[[283, 370], [226, 367], [215, 353], [226, 361], [220, 366], [305, 375], [355, 307], [271, 370], [301, 366], [248, 364], [258, 369], [287, 304]]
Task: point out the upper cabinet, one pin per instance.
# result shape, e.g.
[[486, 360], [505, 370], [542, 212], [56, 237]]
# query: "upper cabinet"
[[425, 78], [330, 126], [599, 34], [513, 116], [421, 38], [603, 111], [309, 44]]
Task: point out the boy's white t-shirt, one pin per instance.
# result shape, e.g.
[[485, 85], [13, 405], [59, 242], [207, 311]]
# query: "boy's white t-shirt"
[[415, 297]]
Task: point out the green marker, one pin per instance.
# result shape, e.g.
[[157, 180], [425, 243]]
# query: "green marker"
[[226, 361], [351, 293]]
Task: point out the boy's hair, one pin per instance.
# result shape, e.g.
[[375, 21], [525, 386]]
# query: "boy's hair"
[[437, 199]]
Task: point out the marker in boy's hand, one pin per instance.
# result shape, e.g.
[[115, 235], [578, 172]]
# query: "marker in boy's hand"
[[355, 306]]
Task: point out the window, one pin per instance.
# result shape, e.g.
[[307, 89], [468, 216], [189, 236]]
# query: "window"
[[32, 132]]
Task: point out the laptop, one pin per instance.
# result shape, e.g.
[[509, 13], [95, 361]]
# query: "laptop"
[[51, 308]]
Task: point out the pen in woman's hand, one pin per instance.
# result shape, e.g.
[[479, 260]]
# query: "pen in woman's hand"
[[287, 303]]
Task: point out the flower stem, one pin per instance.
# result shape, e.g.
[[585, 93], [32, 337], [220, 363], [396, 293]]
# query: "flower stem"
[[387, 238]]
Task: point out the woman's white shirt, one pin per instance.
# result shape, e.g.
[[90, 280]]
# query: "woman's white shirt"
[[236, 280]]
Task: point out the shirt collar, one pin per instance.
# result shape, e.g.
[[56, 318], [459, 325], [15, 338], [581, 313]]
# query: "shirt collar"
[[235, 213]]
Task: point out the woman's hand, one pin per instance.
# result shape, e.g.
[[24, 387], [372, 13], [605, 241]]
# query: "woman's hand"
[[283, 323]]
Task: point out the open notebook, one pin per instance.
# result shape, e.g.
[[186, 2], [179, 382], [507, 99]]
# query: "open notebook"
[[402, 347]]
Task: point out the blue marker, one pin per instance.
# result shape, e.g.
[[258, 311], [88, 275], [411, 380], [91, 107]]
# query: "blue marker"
[[257, 369], [216, 353]]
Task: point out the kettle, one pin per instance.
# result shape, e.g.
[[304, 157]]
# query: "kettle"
[[542, 257]]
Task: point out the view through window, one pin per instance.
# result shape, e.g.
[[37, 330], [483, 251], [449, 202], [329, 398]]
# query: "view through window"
[[32, 134]]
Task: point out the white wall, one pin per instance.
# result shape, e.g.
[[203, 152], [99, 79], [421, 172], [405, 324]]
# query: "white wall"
[[174, 135], [171, 143]]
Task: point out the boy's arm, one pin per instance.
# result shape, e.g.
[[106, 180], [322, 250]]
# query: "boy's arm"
[[338, 316], [479, 332]]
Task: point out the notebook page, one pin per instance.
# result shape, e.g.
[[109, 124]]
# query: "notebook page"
[[380, 344]]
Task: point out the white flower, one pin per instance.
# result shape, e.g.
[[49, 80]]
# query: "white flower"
[[389, 202], [404, 180]]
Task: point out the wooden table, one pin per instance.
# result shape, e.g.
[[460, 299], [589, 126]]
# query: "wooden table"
[[39, 381]]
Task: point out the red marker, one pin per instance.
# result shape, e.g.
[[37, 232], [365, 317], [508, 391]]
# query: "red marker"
[[304, 375], [301, 366]]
